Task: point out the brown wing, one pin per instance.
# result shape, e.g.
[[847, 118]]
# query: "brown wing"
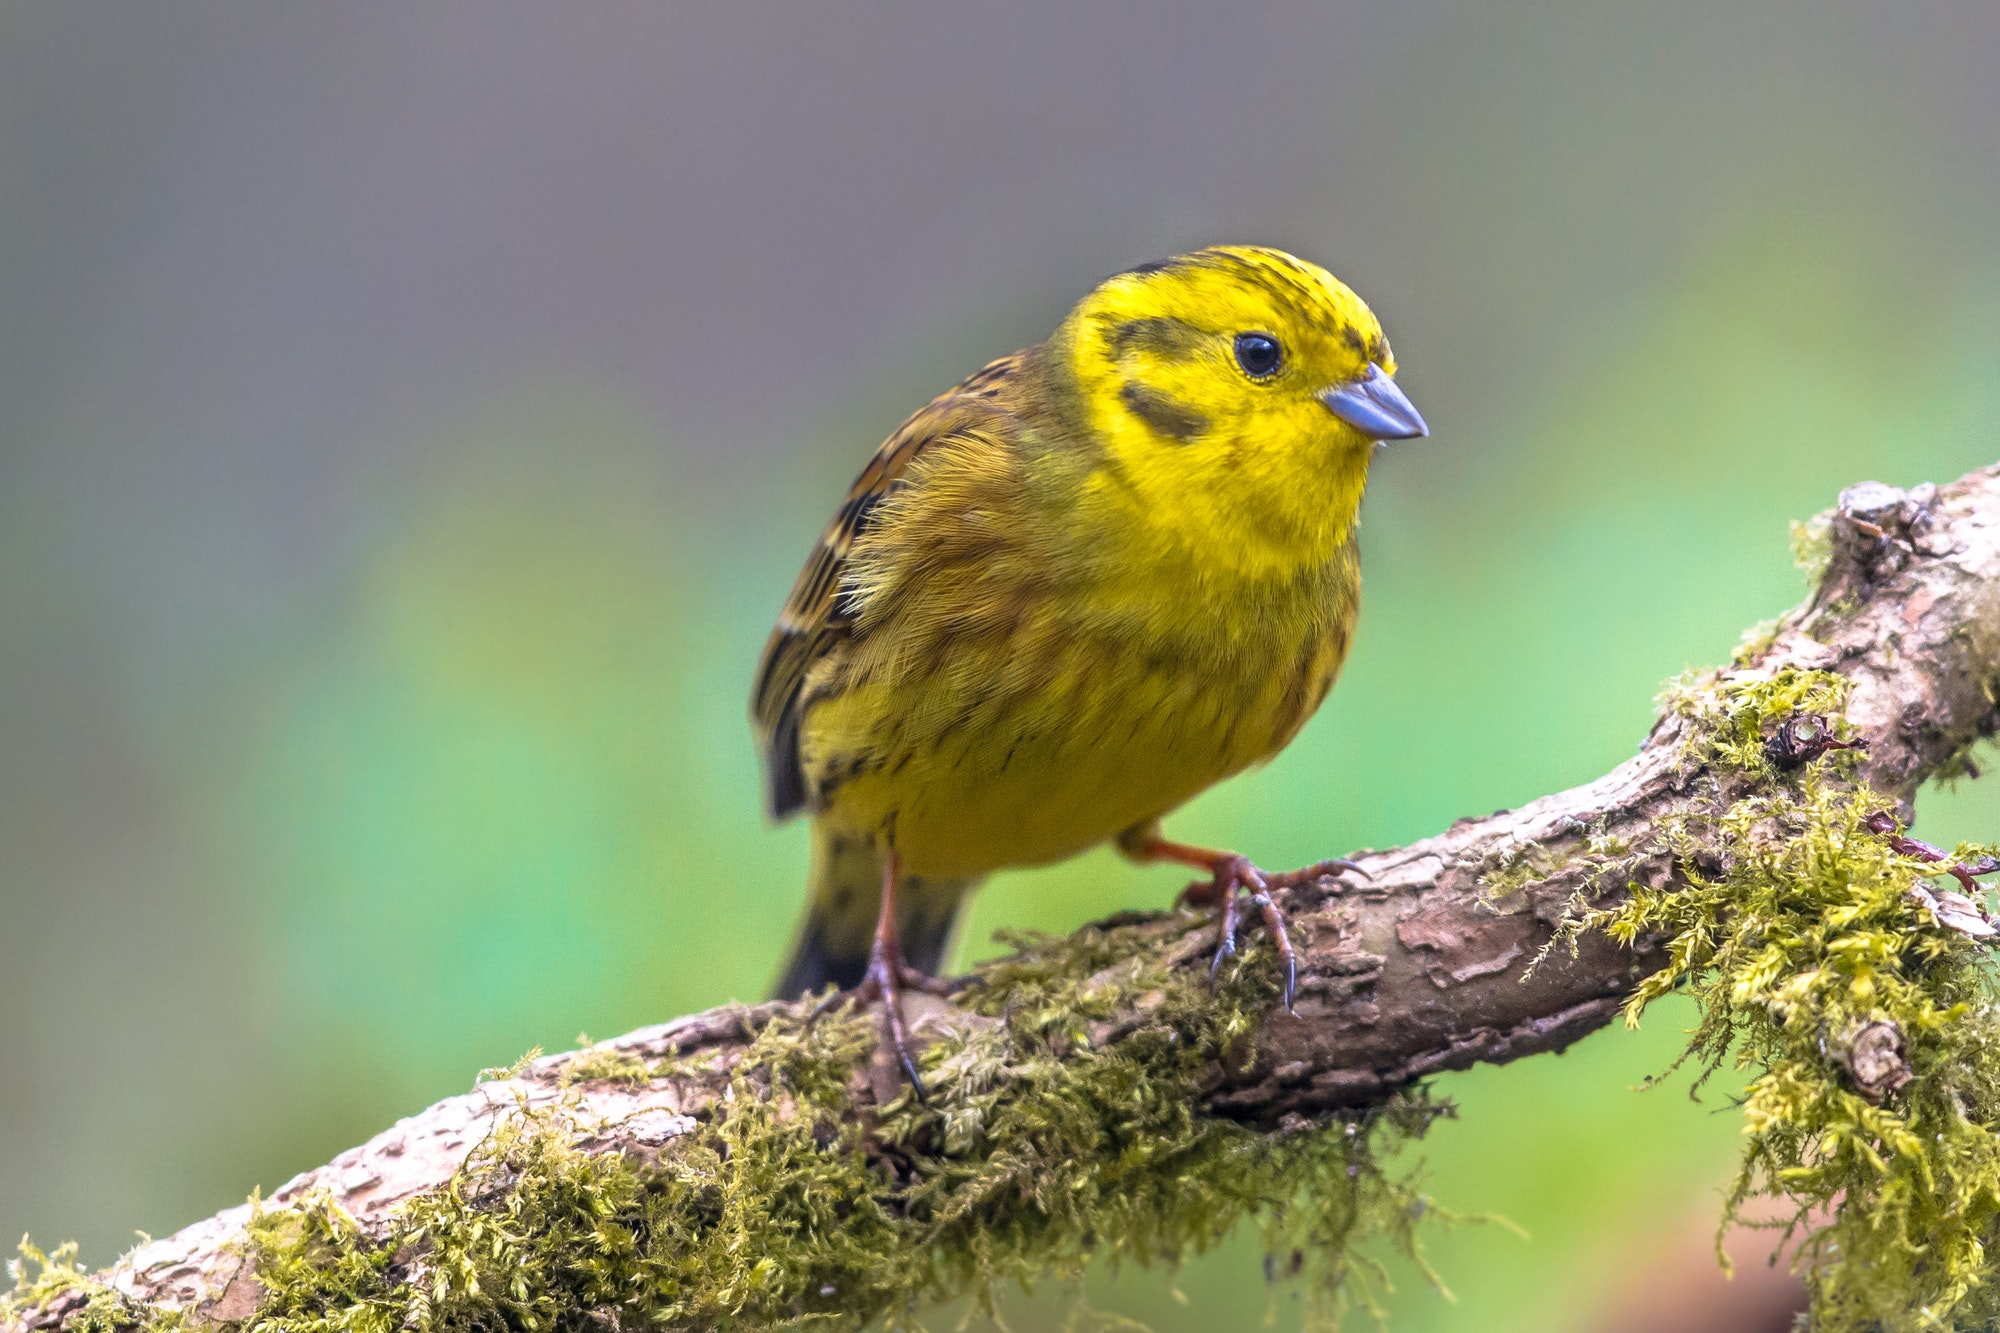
[[817, 618]]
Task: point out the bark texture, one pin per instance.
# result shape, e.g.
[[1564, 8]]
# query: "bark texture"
[[1414, 970]]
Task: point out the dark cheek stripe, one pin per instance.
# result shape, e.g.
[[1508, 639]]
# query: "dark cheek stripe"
[[1169, 418]]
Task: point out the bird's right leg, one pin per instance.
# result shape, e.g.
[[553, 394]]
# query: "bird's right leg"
[[1232, 881]]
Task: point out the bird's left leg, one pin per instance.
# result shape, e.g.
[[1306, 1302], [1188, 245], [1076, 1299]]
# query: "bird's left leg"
[[888, 976], [1232, 880]]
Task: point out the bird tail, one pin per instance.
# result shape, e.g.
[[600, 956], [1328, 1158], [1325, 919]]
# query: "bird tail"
[[844, 896]]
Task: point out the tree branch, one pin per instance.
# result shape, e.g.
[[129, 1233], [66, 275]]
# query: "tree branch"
[[1417, 969]]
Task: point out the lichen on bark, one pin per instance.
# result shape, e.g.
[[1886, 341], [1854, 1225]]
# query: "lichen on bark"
[[1869, 1022], [1063, 1125]]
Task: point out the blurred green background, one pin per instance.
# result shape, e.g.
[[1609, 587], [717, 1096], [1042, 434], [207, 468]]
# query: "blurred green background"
[[412, 417]]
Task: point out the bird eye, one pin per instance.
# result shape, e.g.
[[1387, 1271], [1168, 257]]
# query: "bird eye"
[[1258, 354]]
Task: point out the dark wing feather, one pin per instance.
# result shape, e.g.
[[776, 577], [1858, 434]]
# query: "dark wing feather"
[[818, 615]]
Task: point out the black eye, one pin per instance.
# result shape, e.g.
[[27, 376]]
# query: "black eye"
[[1258, 354]]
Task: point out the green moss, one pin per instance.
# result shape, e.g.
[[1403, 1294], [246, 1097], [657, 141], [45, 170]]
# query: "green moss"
[[1754, 642], [605, 1064], [1504, 875], [1111, 1153], [318, 1271], [1806, 932], [1589, 851], [52, 1280], [1047, 1142], [1731, 722], [1812, 545], [1968, 761]]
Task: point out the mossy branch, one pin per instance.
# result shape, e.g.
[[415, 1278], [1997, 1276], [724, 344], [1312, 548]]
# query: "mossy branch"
[[1099, 1096]]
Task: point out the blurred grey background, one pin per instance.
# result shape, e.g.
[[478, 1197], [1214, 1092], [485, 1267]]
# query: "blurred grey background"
[[411, 416]]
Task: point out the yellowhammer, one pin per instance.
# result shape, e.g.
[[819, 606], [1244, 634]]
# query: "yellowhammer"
[[1088, 582]]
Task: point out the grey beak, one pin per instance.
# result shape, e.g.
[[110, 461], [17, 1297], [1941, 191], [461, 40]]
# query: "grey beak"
[[1374, 406]]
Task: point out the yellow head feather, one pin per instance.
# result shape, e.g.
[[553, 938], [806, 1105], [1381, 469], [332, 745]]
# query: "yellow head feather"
[[1251, 466]]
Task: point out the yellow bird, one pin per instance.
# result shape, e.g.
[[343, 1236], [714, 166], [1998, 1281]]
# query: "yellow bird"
[[1088, 582]]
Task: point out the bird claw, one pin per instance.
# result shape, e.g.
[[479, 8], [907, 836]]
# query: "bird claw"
[[1237, 881], [1333, 866], [885, 981]]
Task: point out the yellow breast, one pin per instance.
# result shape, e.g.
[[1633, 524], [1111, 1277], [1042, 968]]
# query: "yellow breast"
[[1024, 739]]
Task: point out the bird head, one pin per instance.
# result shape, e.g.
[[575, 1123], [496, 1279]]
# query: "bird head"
[[1236, 392]]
